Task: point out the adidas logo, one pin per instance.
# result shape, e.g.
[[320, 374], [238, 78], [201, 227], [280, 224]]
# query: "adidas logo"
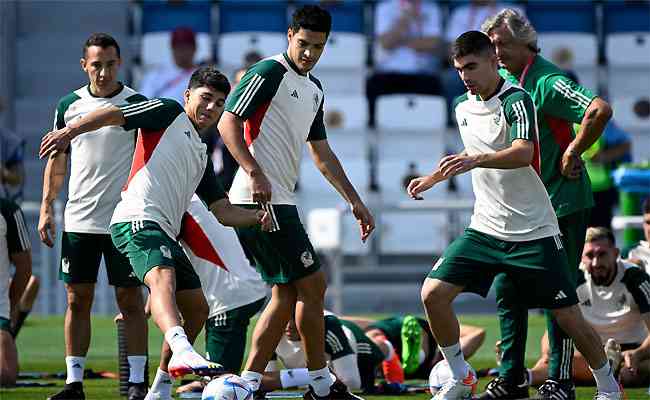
[[77, 365], [463, 122], [295, 94], [560, 295]]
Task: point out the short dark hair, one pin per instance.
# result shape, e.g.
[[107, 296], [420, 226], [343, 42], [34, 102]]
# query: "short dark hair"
[[645, 207], [103, 40], [211, 77], [313, 18], [471, 42]]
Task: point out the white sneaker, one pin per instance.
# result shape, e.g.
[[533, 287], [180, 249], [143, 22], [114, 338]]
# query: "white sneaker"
[[458, 390], [191, 362], [608, 396], [614, 355]]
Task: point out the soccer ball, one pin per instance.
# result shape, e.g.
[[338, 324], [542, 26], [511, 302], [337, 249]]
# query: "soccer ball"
[[440, 374], [227, 387]]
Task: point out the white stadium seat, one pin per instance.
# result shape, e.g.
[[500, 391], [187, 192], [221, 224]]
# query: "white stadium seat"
[[583, 47], [627, 118], [397, 112], [628, 58], [344, 50], [414, 232], [156, 49], [233, 46], [351, 112]]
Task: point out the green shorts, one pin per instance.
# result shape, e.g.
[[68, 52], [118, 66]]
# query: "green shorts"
[[474, 259], [285, 255], [574, 230], [5, 325], [81, 255], [225, 335], [147, 246]]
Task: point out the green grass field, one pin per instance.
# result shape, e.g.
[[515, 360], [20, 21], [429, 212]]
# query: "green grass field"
[[41, 348]]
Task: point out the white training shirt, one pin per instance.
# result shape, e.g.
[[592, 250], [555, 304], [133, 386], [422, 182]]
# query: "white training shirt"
[[99, 161], [227, 278]]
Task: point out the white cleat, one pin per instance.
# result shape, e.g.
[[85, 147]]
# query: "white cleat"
[[191, 362], [458, 390], [614, 355]]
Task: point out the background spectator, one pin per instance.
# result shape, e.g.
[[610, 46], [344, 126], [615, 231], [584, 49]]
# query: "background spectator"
[[12, 154], [409, 35], [171, 80]]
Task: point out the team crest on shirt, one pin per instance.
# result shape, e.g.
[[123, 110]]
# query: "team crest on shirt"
[[307, 259], [187, 133], [165, 251], [497, 119], [316, 102]]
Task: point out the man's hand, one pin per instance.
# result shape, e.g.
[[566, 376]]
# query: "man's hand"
[[364, 218], [419, 185], [260, 187], [265, 221], [47, 226], [571, 165], [456, 164], [54, 142]]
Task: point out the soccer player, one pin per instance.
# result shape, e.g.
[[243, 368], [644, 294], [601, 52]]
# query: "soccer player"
[[168, 168], [614, 297], [279, 106], [352, 357], [99, 168], [513, 228], [234, 290], [15, 249], [559, 102]]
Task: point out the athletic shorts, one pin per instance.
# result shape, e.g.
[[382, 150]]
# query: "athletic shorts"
[[147, 246], [225, 335], [5, 325], [540, 266], [81, 255], [574, 230], [283, 256]]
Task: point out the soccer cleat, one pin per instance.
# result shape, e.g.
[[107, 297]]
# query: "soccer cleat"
[[71, 391], [310, 395], [614, 355], [499, 388], [458, 390], [191, 362], [411, 343], [609, 396], [339, 391], [137, 391], [554, 390]]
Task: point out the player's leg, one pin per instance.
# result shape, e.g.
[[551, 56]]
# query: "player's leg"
[[8, 356], [471, 339], [25, 304]]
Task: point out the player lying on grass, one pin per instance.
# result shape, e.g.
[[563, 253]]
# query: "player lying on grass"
[[614, 297], [409, 348], [233, 288], [168, 168]]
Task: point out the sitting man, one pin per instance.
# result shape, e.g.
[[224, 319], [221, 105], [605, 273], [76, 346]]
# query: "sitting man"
[[614, 298], [640, 254]]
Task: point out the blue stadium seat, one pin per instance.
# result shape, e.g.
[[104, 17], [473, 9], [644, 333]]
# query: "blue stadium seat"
[[162, 16], [627, 16], [347, 16], [258, 16], [564, 16]]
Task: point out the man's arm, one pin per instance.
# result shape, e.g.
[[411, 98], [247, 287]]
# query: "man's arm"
[[53, 178], [231, 215], [328, 164], [518, 155], [22, 260], [592, 126], [633, 358]]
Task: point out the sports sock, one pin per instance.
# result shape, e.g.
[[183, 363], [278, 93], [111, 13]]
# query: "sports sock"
[[321, 380], [162, 384], [454, 356], [294, 377], [75, 369], [253, 378], [177, 340], [136, 368], [605, 381]]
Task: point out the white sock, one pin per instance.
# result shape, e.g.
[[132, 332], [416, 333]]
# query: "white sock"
[[529, 376], [321, 380], [294, 377], [162, 384], [254, 379], [454, 356], [177, 340], [75, 369], [136, 368], [605, 381]]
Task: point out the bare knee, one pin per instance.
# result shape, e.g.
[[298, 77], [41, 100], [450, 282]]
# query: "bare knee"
[[568, 317], [311, 289], [130, 301], [80, 297], [435, 293]]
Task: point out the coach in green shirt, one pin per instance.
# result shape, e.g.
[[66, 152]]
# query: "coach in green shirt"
[[560, 103]]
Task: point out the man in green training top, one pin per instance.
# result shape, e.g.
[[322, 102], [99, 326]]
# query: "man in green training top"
[[560, 102]]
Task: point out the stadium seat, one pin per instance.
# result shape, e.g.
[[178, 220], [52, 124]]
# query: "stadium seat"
[[156, 48], [252, 16], [410, 145], [583, 46], [347, 16], [345, 112], [342, 67], [551, 16], [403, 112], [628, 57], [627, 118], [234, 46], [628, 16], [412, 232]]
